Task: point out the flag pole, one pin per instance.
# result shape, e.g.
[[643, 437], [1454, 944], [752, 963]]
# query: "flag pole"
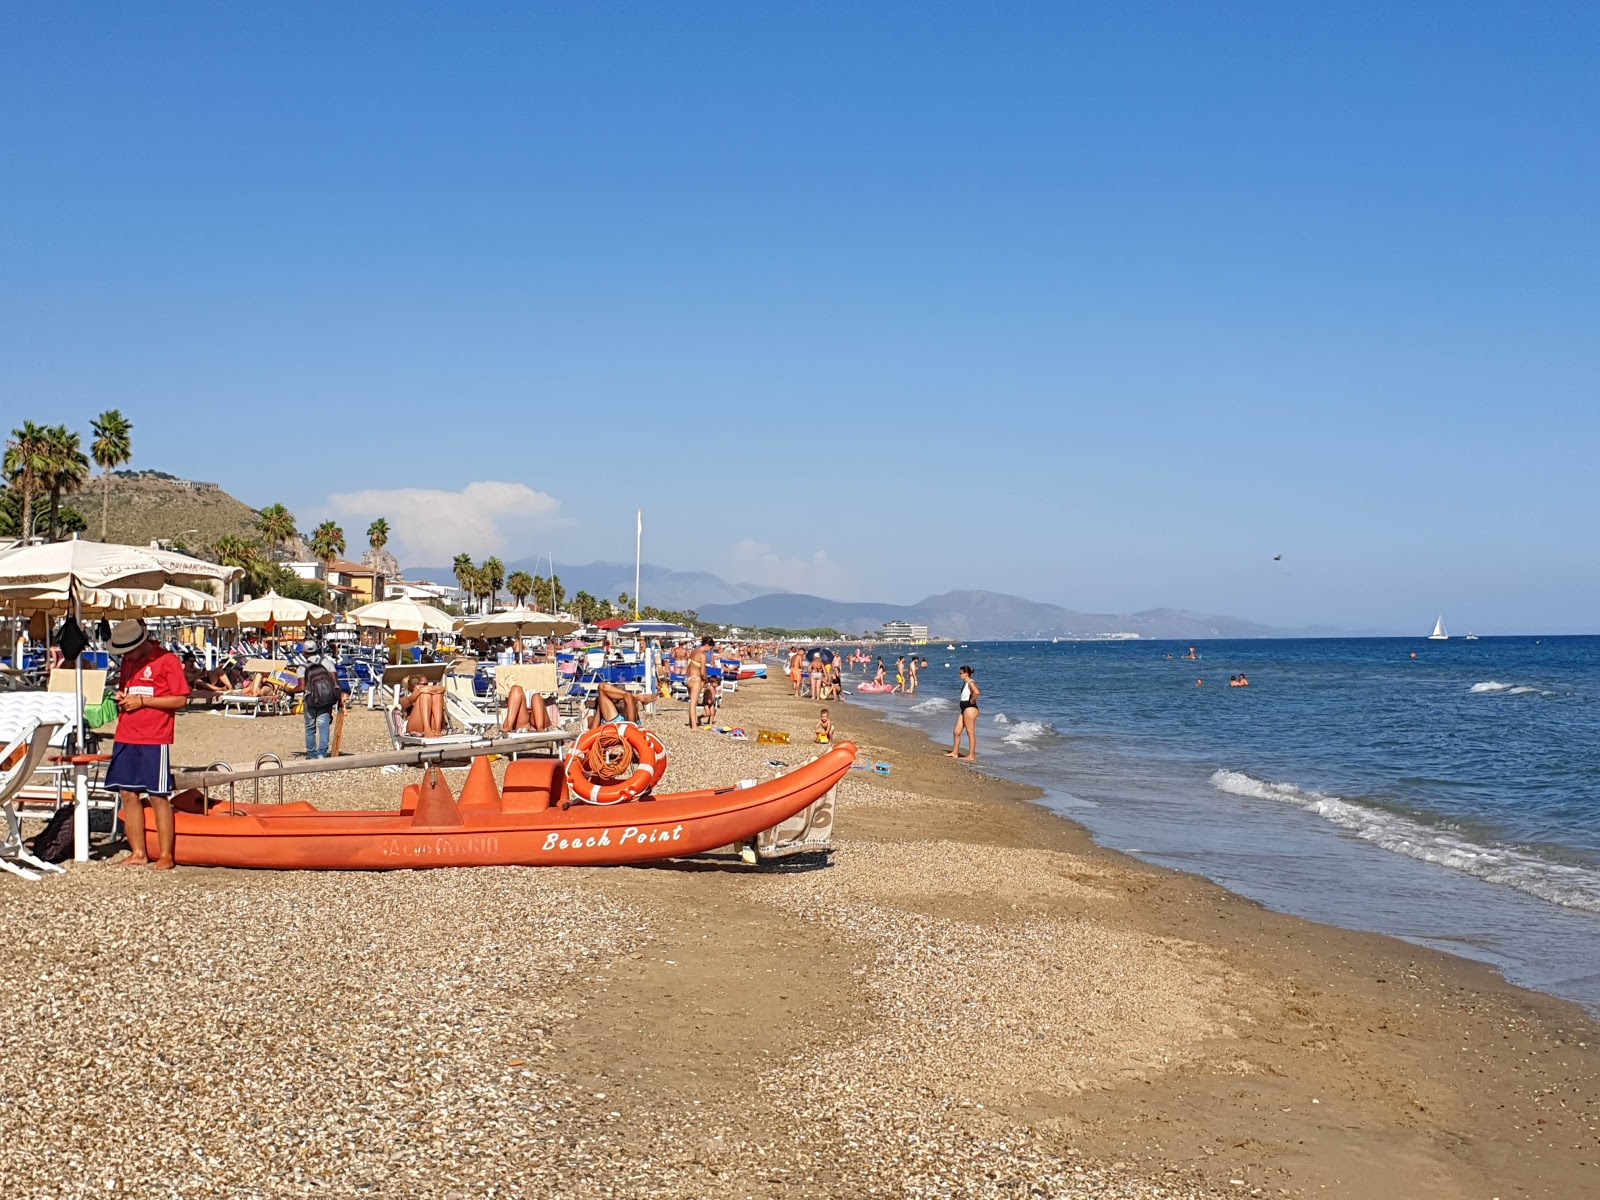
[[638, 551]]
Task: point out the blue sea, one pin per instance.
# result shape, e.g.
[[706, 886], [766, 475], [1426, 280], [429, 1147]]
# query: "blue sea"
[[1447, 793]]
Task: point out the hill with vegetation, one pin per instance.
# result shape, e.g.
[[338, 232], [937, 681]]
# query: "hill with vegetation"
[[148, 506]]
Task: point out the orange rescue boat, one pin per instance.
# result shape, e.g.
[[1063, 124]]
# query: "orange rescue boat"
[[525, 823]]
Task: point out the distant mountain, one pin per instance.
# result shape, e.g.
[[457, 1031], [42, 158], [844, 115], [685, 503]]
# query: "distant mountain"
[[989, 616], [659, 587]]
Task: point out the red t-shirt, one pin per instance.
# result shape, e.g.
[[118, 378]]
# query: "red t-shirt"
[[158, 674]]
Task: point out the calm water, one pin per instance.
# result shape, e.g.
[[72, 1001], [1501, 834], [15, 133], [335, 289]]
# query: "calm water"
[[1452, 799]]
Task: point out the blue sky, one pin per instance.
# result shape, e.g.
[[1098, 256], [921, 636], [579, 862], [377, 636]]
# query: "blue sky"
[[1101, 304]]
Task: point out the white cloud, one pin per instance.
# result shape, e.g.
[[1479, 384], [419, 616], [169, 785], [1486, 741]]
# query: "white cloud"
[[816, 574], [429, 527]]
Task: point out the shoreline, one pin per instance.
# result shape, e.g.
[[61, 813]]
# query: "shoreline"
[[971, 998]]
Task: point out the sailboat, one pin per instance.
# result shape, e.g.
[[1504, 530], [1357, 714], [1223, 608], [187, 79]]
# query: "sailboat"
[[1438, 634]]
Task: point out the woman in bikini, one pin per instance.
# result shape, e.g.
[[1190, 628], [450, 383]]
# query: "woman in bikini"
[[525, 712], [966, 718], [423, 706]]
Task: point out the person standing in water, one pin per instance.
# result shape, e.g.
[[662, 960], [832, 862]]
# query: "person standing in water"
[[966, 718]]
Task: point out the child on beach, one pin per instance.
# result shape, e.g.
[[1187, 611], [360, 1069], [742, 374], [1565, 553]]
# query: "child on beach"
[[825, 728]]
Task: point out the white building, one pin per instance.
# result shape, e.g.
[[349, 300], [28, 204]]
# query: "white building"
[[903, 631]]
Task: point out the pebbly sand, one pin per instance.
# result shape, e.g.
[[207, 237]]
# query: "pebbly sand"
[[972, 999]]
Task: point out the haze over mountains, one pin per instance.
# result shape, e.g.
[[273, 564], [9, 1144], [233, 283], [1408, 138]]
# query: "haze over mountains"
[[973, 615]]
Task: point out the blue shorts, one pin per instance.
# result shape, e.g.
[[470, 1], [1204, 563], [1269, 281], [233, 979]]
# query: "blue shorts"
[[146, 769]]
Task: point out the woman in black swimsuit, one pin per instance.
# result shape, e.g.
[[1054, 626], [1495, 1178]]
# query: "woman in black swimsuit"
[[967, 718]]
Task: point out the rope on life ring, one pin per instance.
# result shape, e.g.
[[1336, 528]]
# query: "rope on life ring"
[[614, 763]]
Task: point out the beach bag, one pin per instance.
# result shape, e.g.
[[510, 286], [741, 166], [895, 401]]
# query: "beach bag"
[[322, 687], [54, 842]]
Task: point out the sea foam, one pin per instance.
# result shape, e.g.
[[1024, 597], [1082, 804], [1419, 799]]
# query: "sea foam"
[[1494, 687], [933, 704], [1024, 733], [1560, 883]]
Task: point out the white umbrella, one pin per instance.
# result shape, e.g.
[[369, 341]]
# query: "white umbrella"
[[63, 566], [168, 601], [65, 571], [404, 615], [516, 622], [276, 610]]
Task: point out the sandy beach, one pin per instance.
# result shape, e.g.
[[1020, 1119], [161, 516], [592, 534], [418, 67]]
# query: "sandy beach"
[[970, 999]]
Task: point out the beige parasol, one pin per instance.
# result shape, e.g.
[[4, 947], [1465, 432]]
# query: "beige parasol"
[[276, 610], [516, 622], [403, 615]]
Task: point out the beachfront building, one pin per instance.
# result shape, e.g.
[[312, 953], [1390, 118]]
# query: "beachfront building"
[[903, 631], [361, 583], [440, 595]]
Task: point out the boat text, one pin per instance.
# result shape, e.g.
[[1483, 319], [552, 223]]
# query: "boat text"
[[554, 841], [445, 847]]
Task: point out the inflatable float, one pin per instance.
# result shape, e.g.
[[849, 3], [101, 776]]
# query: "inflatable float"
[[534, 820], [874, 687]]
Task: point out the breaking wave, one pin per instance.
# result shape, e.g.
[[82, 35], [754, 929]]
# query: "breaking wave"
[[933, 704], [1024, 733], [1570, 886], [1494, 687]]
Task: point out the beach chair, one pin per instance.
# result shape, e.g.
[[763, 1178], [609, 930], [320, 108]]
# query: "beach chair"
[[407, 741], [27, 729]]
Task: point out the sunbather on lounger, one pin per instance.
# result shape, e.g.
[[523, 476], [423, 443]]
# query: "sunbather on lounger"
[[613, 704], [423, 706], [525, 712], [203, 683]]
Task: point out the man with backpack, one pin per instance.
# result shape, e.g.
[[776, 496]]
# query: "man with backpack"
[[322, 695]]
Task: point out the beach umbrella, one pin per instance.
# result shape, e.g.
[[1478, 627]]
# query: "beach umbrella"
[[821, 653], [273, 609], [611, 623], [405, 615], [55, 571], [516, 622], [61, 567]]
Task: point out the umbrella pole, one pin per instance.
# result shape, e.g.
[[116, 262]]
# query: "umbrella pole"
[[80, 769]]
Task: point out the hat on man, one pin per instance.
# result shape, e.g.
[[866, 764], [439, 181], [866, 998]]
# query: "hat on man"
[[127, 636]]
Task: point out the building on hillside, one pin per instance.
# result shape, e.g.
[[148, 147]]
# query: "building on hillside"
[[904, 631], [308, 569], [359, 582]]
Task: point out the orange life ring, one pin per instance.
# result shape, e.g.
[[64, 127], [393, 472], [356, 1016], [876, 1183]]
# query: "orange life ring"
[[585, 772]]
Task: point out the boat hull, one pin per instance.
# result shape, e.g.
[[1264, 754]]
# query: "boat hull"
[[300, 837]]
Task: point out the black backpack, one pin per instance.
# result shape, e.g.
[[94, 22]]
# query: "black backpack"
[[322, 687]]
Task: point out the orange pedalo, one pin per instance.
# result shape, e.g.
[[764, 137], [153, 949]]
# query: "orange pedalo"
[[614, 763]]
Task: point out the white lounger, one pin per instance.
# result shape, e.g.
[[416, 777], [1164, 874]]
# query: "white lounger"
[[25, 738]]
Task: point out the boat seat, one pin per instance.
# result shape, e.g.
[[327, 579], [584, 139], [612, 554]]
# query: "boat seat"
[[531, 785]]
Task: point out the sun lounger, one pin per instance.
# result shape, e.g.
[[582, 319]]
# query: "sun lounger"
[[405, 741], [27, 729]]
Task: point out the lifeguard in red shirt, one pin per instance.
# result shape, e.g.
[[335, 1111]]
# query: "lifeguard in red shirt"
[[153, 688]]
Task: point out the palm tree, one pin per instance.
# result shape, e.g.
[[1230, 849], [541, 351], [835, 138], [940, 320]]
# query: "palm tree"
[[26, 462], [67, 467], [625, 603], [231, 550], [378, 534], [558, 594], [541, 593], [276, 526], [520, 585], [494, 577], [327, 542], [112, 446]]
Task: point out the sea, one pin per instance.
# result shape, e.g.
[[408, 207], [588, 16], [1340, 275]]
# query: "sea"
[[1447, 793]]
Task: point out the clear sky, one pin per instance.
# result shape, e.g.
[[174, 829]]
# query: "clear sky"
[[1100, 304]]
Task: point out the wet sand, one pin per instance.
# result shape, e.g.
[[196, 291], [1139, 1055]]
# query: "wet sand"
[[970, 999]]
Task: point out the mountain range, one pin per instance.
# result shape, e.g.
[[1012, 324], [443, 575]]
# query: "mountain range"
[[988, 616], [659, 587], [973, 615]]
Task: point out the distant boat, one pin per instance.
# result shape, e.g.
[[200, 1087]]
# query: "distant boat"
[[1438, 634], [1471, 637]]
